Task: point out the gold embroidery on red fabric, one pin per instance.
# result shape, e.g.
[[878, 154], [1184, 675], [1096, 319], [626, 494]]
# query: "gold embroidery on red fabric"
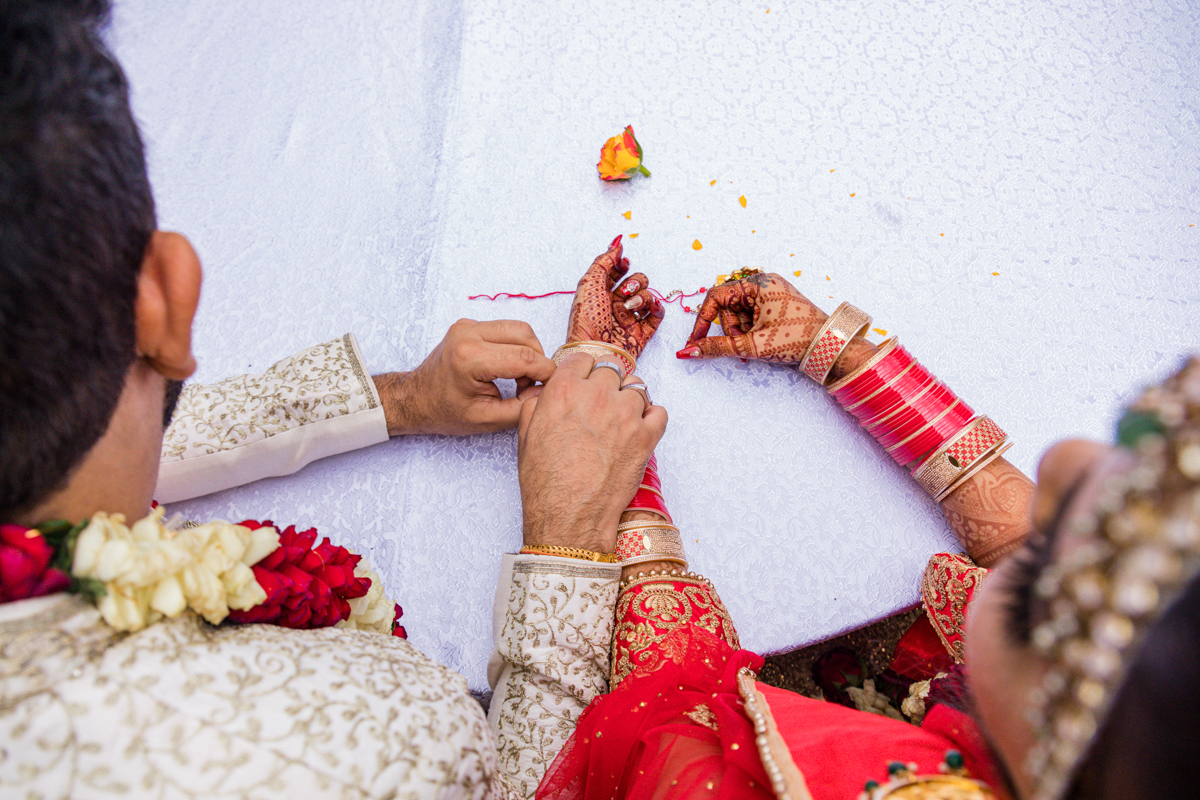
[[702, 715], [649, 611], [946, 587]]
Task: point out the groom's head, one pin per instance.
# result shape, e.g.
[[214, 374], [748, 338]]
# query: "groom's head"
[[79, 253]]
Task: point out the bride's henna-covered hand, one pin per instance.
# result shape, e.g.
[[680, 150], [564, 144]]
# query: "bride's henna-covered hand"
[[763, 317], [626, 316]]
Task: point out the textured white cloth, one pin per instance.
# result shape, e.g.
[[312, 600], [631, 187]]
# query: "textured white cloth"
[[368, 165]]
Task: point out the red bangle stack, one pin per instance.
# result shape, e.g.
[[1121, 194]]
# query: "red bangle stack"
[[907, 409], [649, 494]]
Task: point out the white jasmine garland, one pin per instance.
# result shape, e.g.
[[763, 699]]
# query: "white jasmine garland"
[[373, 611], [149, 572]]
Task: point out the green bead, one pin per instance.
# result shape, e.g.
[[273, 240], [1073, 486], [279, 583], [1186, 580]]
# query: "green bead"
[[896, 767], [1135, 425], [871, 786], [954, 759]]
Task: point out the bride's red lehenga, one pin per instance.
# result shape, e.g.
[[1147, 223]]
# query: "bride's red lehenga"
[[680, 721]]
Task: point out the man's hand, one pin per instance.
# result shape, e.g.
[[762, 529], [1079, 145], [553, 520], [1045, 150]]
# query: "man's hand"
[[582, 446], [452, 391]]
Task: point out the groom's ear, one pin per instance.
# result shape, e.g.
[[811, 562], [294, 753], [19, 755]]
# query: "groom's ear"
[[168, 294]]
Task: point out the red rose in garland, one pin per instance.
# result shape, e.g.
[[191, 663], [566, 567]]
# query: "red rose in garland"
[[306, 586], [25, 569]]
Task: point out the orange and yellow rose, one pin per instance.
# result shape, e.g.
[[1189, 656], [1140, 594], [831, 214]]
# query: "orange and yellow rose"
[[621, 157]]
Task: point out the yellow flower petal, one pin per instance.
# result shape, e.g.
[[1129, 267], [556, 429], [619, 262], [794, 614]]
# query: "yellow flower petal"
[[742, 200], [696, 245], [628, 215]]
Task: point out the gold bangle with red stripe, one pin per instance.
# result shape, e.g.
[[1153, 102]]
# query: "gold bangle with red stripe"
[[957, 454], [840, 327], [649, 541]]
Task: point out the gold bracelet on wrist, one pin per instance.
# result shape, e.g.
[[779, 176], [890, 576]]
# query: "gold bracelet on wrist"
[[569, 552], [834, 335], [597, 350], [975, 468], [957, 454], [650, 541]]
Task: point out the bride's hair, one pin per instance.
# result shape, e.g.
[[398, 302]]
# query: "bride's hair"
[[76, 214]]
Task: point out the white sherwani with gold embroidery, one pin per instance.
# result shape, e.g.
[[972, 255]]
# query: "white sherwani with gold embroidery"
[[187, 710]]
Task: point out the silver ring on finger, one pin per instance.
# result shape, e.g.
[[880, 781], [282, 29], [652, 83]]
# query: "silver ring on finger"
[[643, 390], [613, 365]]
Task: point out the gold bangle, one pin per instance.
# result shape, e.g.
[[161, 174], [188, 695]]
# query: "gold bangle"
[[629, 562], [568, 552], [966, 476], [650, 543], [922, 429], [885, 348], [832, 337], [597, 350], [633, 524], [957, 454], [872, 395]]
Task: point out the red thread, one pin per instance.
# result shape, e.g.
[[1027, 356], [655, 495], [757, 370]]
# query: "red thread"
[[676, 296], [521, 296]]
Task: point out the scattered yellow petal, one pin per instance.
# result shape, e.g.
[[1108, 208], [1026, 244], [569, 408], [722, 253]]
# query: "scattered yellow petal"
[[941, 234], [633, 236], [826, 277], [628, 215], [742, 200], [831, 170], [713, 182], [696, 245], [852, 194], [880, 331], [791, 255], [797, 273], [753, 231], [995, 273]]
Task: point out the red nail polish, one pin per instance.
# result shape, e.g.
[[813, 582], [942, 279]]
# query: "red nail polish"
[[616, 241], [688, 352]]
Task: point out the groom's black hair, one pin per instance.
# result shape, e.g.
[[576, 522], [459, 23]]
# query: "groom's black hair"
[[76, 215]]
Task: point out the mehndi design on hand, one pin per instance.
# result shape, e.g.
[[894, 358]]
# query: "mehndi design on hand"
[[763, 317], [626, 316]]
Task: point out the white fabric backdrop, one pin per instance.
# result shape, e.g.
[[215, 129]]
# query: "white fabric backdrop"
[[366, 166]]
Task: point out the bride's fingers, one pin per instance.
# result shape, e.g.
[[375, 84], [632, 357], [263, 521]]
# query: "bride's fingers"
[[654, 319], [607, 269], [640, 302], [732, 323], [717, 347], [706, 314], [632, 285]]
